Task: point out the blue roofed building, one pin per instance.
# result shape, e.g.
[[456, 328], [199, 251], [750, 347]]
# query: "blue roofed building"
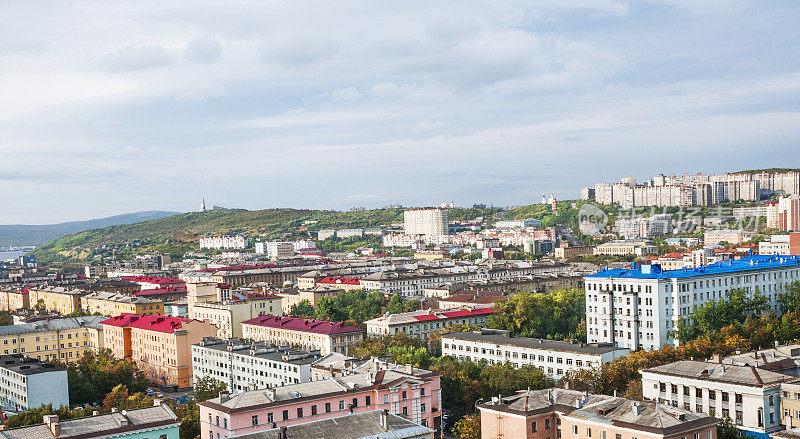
[[639, 307]]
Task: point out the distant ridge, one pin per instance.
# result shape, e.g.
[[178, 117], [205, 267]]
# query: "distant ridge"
[[767, 171], [22, 234]]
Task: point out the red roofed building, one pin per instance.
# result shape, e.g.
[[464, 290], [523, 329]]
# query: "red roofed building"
[[149, 282], [423, 323], [343, 283], [305, 334], [160, 346]]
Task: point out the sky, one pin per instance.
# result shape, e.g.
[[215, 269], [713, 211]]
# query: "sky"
[[115, 107]]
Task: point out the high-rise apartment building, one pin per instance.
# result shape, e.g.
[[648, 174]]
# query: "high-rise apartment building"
[[425, 222], [784, 214], [639, 307]]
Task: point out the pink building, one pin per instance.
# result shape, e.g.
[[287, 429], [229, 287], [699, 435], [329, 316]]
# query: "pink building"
[[569, 414], [414, 394]]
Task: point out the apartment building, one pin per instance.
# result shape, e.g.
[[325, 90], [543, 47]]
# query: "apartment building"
[[160, 346], [748, 396], [425, 222], [410, 393], [157, 422], [292, 296], [229, 315], [423, 323], [12, 299], [626, 248], [777, 245], [249, 366], [572, 252], [275, 249], [65, 340], [554, 358], [113, 304], [27, 383], [715, 237], [569, 414], [304, 334], [224, 242], [784, 214], [154, 282], [63, 300], [645, 226], [639, 307]]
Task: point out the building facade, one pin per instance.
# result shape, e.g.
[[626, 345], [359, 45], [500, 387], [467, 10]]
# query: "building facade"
[[553, 358], [113, 304], [27, 383], [425, 222], [303, 334], [65, 340], [229, 315], [160, 346], [423, 323], [639, 307], [249, 366]]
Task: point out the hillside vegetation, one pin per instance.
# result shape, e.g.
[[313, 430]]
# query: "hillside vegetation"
[[181, 233]]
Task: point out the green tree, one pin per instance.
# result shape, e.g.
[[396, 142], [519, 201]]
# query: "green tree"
[[555, 315], [468, 427], [302, 309], [207, 388]]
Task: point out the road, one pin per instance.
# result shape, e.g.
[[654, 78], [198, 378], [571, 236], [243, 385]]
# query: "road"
[[569, 235]]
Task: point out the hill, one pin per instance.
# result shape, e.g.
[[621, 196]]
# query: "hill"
[[180, 233], [22, 234], [767, 171]]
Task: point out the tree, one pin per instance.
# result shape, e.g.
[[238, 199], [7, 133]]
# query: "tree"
[[96, 374], [207, 388], [468, 427], [303, 309], [554, 315], [727, 430]]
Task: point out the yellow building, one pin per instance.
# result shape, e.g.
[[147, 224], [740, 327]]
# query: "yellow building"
[[112, 304], [13, 299], [64, 339], [62, 300]]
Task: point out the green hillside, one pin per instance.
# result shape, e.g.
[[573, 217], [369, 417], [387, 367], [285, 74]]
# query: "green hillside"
[[180, 233], [767, 171]]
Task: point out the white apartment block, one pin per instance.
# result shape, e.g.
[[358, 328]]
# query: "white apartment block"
[[644, 227], [784, 214], [27, 383], [275, 249], [425, 222], [224, 242], [639, 307], [777, 245], [325, 234], [249, 366], [554, 358], [750, 397], [228, 316], [350, 233], [624, 248], [423, 323]]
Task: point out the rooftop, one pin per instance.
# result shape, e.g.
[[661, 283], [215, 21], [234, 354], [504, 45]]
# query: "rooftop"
[[723, 373], [300, 324], [507, 339], [52, 325], [150, 323], [158, 280], [427, 314], [750, 263], [120, 298], [26, 366], [621, 412], [259, 350], [101, 426], [366, 425]]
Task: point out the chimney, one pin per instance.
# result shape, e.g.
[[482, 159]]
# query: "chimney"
[[157, 402], [52, 423], [224, 397], [95, 412], [384, 419], [114, 410], [409, 368]]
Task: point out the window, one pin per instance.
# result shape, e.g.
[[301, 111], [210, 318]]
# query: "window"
[[254, 419], [533, 427], [546, 424], [313, 410], [355, 402], [270, 418], [588, 432], [574, 429], [327, 407], [286, 415], [405, 395], [299, 412], [217, 421], [368, 400], [422, 408], [341, 405]]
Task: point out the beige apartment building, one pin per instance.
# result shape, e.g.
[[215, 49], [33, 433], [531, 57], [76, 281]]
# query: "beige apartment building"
[[228, 316], [63, 300], [113, 304], [160, 346], [13, 299], [64, 339]]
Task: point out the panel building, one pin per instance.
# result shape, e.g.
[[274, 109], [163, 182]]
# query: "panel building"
[[27, 383], [425, 222], [639, 307]]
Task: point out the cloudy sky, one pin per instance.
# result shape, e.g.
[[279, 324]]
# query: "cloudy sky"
[[114, 107]]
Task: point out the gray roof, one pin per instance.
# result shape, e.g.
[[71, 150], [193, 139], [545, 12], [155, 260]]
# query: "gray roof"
[[602, 408], [259, 350], [100, 426], [52, 325], [502, 338], [356, 426], [723, 373], [26, 366], [121, 298]]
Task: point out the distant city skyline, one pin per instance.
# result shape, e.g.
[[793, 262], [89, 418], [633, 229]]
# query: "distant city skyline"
[[134, 106]]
